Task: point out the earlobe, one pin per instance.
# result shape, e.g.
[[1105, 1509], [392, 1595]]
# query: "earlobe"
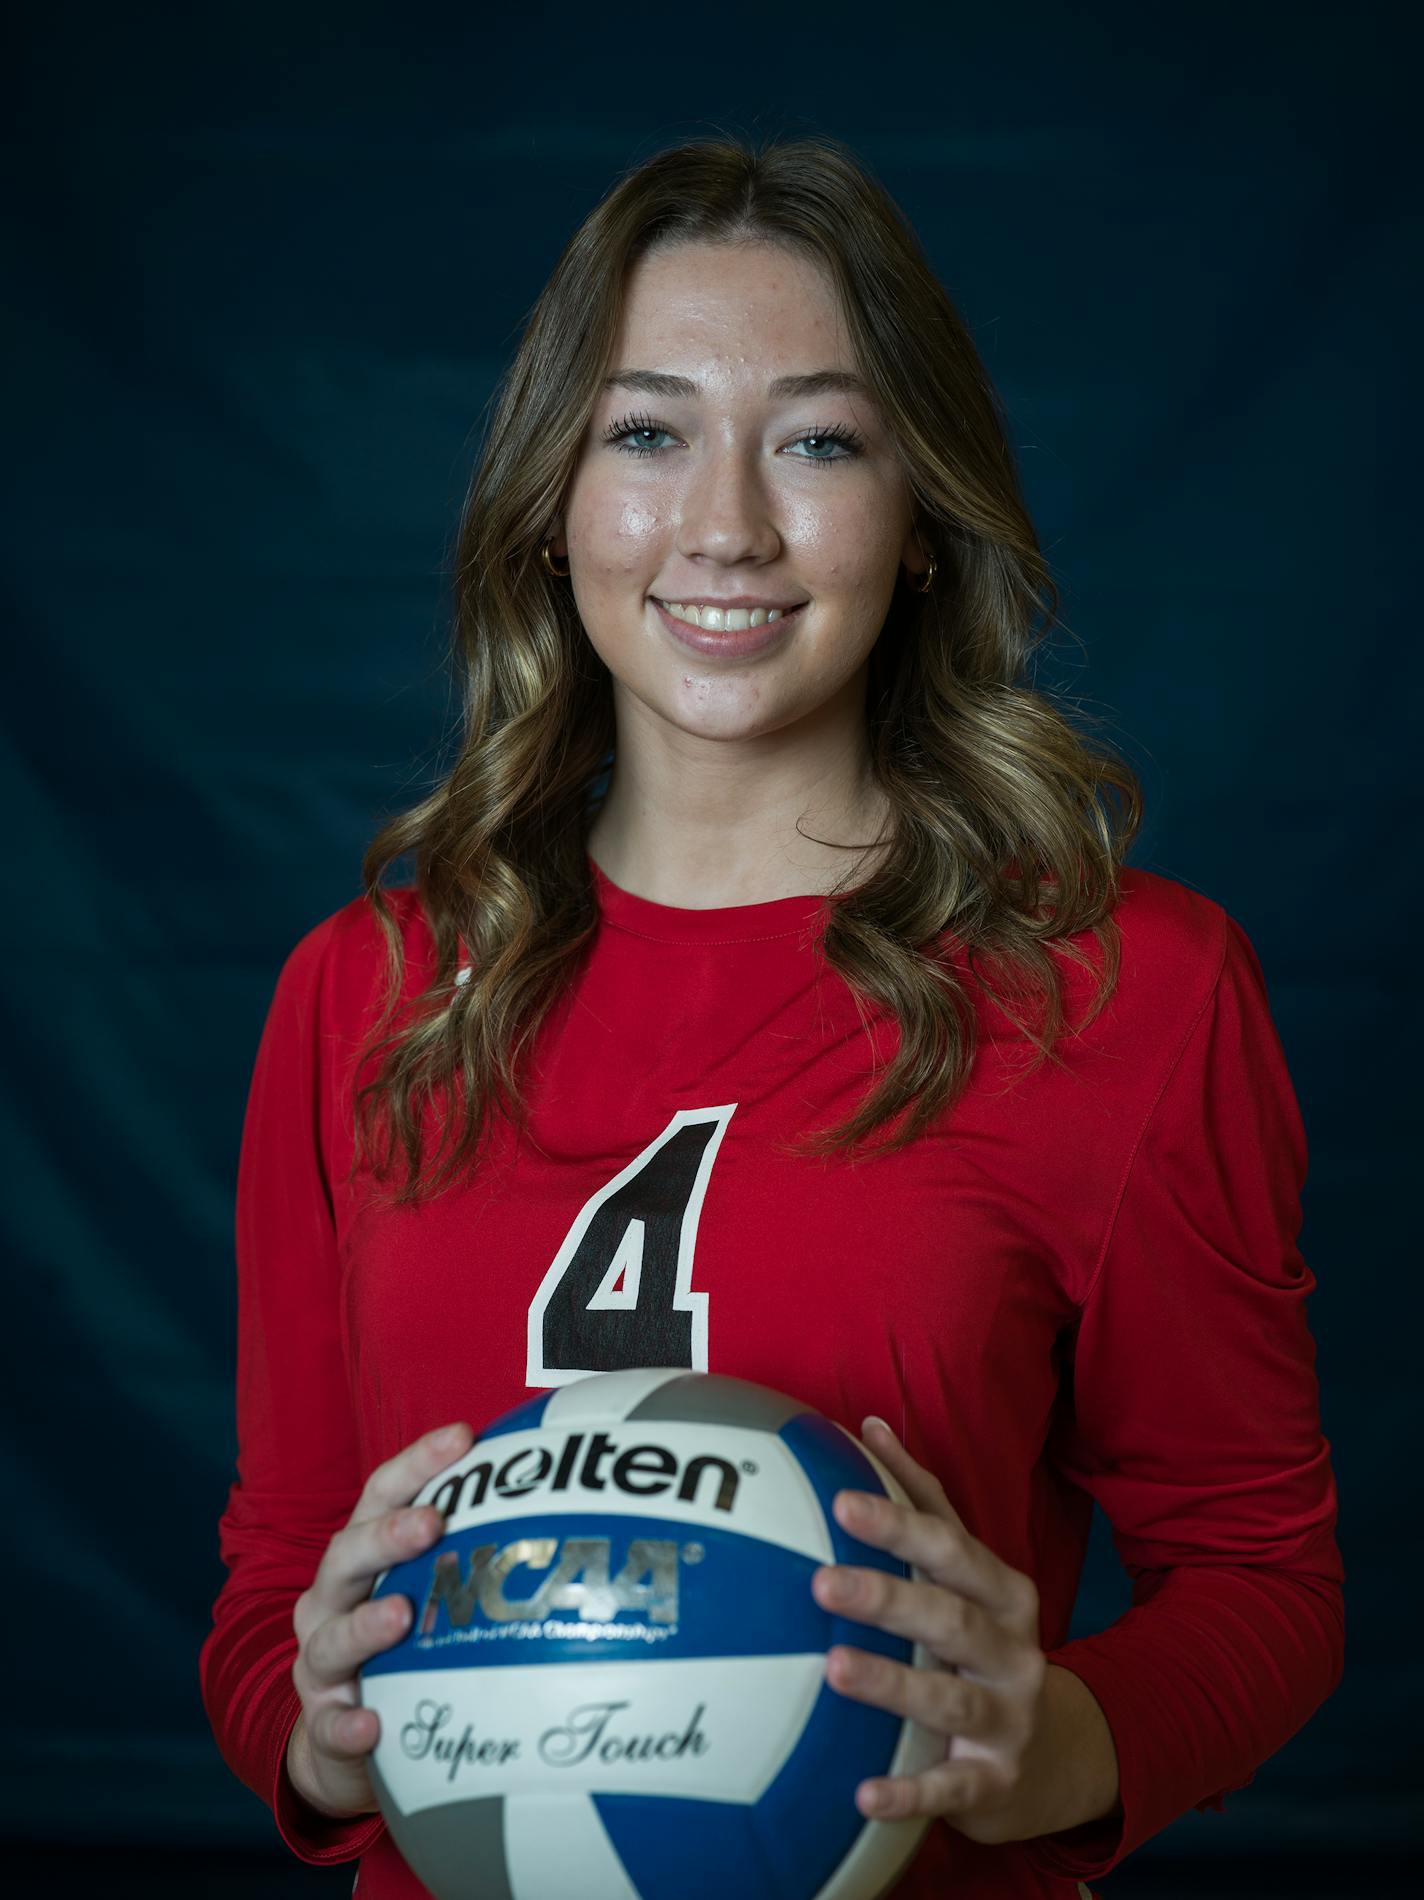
[[921, 579], [554, 556], [915, 558]]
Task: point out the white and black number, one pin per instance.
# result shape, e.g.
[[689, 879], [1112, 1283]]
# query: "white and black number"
[[619, 1291]]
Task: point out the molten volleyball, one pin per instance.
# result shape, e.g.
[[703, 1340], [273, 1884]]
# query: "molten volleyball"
[[613, 1686]]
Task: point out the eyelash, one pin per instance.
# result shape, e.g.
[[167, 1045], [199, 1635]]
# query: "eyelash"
[[851, 439]]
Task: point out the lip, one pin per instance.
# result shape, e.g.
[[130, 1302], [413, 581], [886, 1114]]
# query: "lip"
[[732, 600], [740, 644]]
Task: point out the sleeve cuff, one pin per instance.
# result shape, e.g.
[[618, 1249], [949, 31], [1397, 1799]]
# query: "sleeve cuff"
[[312, 1837]]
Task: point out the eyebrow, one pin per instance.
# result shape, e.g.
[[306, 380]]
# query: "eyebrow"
[[820, 382]]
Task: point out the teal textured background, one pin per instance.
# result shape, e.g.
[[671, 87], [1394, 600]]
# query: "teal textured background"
[[263, 269]]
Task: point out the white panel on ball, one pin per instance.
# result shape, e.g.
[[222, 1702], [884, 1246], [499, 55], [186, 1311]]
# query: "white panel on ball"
[[613, 1396], [775, 1500], [494, 1735]]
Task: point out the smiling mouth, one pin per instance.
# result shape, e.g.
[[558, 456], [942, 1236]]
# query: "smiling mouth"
[[726, 619]]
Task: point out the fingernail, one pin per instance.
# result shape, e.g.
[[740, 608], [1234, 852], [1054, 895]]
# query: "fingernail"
[[873, 1418], [449, 1435]]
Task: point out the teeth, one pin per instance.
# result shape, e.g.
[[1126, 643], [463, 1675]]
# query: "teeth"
[[722, 619]]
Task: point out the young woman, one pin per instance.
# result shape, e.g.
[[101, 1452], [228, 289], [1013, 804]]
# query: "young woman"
[[994, 1134]]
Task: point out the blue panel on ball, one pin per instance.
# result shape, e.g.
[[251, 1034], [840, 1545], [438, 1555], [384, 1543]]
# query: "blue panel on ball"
[[834, 1463], [807, 1819], [711, 1592], [694, 1850], [520, 1418]]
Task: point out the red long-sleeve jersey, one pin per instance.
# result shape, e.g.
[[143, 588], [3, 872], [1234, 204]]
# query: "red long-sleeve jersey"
[[1081, 1282]]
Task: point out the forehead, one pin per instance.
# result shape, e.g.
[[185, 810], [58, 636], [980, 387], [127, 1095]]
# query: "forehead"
[[728, 315]]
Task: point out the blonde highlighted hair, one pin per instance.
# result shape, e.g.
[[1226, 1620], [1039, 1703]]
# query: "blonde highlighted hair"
[[1008, 827]]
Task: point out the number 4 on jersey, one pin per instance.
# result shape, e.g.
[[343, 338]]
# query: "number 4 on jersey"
[[619, 1291]]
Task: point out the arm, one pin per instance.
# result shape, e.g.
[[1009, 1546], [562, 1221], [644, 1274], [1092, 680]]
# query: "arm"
[[1196, 1427], [1195, 1424], [298, 1463]]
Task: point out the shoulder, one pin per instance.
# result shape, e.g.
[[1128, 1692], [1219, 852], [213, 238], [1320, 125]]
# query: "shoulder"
[[1177, 935], [1184, 959], [1174, 943], [340, 965], [1174, 939]]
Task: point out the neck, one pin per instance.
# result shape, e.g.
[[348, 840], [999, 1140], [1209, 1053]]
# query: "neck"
[[700, 823]]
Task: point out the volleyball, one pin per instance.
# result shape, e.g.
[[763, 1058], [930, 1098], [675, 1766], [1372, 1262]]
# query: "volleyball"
[[613, 1686]]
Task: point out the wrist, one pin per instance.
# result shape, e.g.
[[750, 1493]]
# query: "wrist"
[[301, 1775], [306, 1822], [1069, 1773], [1087, 1772]]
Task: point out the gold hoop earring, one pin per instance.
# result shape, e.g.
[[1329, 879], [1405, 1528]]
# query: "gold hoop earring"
[[559, 573], [928, 582]]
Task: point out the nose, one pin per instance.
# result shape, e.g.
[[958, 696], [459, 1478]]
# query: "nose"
[[726, 511]]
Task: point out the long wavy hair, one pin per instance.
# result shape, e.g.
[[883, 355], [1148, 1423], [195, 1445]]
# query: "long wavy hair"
[[1008, 828]]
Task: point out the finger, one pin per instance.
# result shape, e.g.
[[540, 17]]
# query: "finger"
[[957, 1630], [947, 1788], [945, 1703], [344, 1732], [357, 1555], [923, 1487], [396, 1481], [341, 1644], [944, 1552]]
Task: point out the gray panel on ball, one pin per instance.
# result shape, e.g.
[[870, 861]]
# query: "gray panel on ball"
[[458, 1849], [700, 1399]]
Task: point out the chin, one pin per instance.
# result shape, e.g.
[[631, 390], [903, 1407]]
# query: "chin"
[[723, 709]]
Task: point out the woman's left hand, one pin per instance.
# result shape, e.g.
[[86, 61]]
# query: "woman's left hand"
[[972, 1612]]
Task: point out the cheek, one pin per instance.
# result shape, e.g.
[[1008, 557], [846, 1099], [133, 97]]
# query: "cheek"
[[848, 550], [846, 541], [612, 534], [818, 528], [614, 543]]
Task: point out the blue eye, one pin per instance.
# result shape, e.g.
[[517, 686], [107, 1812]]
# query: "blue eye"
[[845, 439], [635, 425], [848, 441]]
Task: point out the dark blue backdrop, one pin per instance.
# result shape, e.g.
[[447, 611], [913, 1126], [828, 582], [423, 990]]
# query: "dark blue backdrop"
[[264, 270]]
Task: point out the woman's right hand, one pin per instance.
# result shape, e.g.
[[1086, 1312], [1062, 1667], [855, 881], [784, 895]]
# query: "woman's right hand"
[[338, 1628]]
